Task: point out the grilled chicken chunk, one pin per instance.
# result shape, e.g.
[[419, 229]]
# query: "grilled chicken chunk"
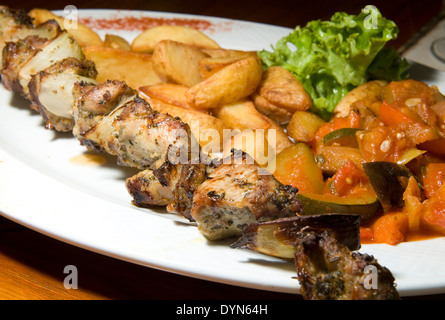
[[95, 102], [139, 136], [148, 191], [51, 91], [328, 270], [15, 55], [12, 22], [238, 193], [15, 25], [191, 176]]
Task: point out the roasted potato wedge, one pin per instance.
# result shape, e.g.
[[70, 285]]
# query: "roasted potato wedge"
[[167, 92], [282, 89], [280, 115], [176, 62], [303, 126], [148, 39], [243, 115], [84, 35], [134, 68], [230, 84], [229, 53], [209, 66], [255, 144], [369, 92], [207, 129], [117, 42]]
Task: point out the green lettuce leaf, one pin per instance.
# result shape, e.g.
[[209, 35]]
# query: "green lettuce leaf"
[[332, 57]]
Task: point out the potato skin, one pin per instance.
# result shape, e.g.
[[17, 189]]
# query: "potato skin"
[[230, 84], [176, 62], [282, 89], [148, 39]]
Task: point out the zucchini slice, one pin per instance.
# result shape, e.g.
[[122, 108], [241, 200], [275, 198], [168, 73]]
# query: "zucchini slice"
[[344, 136], [366, 206]]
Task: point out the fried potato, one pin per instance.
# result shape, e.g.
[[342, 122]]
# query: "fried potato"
[[148, 39], [243, 115], [209, 66], [167, 92], [117, 42], [229, 53], [254, 143], [370, 92], [177, 62], [84, 35], [134, 68], [303, 126], [207, 129], [280, 115], [282, 89], [220, 58], [230, 84]]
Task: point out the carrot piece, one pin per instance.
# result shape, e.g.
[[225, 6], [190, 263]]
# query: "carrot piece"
[[366, 235], [391, 228], [390, 115], [433, 213], [433, 216], [434, 178]]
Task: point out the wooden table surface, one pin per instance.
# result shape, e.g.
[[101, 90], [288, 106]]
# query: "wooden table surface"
[[32, 264]]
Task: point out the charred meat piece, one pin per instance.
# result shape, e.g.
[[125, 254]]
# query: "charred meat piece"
[[11, 17], [239, 193], [14, 28], [148, 191], [139, 136], [51, 91], [328, 270], [277, 237], [15, 55], [192, 175], [147, 138], [171, 184], [95, 102]]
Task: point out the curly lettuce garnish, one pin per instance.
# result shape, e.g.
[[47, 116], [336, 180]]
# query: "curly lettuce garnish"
[[330, 58]]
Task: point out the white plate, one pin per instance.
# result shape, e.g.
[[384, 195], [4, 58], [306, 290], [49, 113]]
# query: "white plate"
[[88, 206]]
